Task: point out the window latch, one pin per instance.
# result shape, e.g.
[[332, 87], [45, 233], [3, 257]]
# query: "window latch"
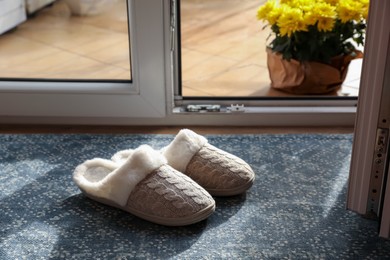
[[215, 108], [203, 108], [236, 108]]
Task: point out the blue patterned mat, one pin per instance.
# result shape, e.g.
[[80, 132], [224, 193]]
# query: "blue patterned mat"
[[295, 210]]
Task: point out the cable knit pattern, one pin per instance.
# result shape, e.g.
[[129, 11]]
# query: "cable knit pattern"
[[218, 171], [170, 194]]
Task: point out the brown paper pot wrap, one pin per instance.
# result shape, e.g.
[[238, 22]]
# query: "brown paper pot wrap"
[[307, 77]]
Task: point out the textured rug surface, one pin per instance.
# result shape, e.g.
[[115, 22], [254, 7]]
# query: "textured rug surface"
[[295, 210]]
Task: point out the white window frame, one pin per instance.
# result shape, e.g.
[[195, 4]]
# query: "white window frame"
[[143, 97], [272, 112]]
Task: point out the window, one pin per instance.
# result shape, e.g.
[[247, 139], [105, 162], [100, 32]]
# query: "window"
[[68, 40], [136, 91], [223, 53]]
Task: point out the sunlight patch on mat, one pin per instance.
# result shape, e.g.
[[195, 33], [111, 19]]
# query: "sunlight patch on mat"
[[25, 242], [338, 184], [21, 173]]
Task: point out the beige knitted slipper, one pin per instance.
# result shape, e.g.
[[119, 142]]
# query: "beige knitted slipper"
[[145, 186], [218, 172]]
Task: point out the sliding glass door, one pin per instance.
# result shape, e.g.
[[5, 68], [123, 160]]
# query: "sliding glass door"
[[223, 53], [141, 69], [84, 58]]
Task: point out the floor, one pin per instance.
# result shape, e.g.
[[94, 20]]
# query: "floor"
[[54, 44], [223, 48], [294, 210]]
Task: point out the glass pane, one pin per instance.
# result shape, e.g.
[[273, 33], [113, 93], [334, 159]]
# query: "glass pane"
[[65, 40], [223, 51]]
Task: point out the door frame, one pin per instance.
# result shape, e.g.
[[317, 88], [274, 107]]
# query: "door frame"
[[373, 112]]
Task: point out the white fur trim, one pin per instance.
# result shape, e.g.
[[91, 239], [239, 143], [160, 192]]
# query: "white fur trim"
[[122, 156], [181, 150], [106, 179]]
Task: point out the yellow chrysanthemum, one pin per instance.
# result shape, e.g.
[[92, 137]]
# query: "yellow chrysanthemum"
[[274, 15], [264, 10], [292, 3], [291, 21], [308, 6], [302, 19], [287, 2], [324, 10], [349, 10], [301, 4], [365, 4], [325, 24], [319, 11], [332, 2], [310, 18], [304, 5]]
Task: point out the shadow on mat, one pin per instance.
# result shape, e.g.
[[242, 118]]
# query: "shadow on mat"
[[43, 220]]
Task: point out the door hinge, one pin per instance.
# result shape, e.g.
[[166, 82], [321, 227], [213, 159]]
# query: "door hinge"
[[378, 172]]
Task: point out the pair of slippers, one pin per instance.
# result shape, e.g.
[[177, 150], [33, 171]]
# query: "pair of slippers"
[[173, 186]]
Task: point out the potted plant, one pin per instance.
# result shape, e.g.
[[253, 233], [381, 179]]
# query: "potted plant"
[[312, 42]]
